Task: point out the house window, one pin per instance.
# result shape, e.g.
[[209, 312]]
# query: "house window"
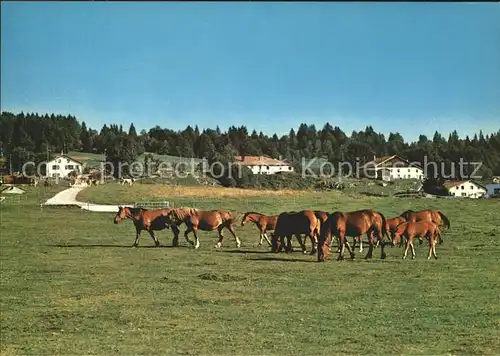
[[67, 161], [471, 187], [55, 166], [69, 166], [267, 167], [398, 170], [464, 194], [409, 170], [463, 187], [289, 168]]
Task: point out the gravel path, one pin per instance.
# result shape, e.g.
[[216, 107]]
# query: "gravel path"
[[68, 197]]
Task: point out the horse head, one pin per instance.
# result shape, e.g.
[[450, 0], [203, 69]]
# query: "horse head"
[[245, 219], [120, 215]]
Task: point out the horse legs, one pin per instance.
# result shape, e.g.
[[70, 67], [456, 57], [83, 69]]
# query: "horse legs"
[[233, 232], [157, 243], [137, 234], [341, 238], [196, 240], [369, 234], [302, 243], [175, 230], [432, 247], [314, 243], [188, 230], [221, 236], [267, 239]]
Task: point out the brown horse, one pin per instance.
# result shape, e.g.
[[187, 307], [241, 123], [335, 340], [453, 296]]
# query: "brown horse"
[[149, 220], [434, 216], [263, 222], [295, 223], [203, 220], [392, 224], [420, 229], [355, 223]]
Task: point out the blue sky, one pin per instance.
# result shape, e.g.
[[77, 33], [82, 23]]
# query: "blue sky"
[[406, 67]]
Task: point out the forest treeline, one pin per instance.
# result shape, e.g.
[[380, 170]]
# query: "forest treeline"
[[31, 136]]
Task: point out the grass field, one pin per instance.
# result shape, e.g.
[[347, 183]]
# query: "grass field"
[[71, 283]]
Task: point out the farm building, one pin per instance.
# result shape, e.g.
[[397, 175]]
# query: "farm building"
[[393, 167], [62, 166], [264, 165], [493, 189], [465, 188]]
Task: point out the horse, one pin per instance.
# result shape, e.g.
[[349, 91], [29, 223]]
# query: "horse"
[[295, 223], [263, 222], [420, 229], [149, 220], [434, 216], [392, 224], [129, 181], [205, 220], [354, 223]]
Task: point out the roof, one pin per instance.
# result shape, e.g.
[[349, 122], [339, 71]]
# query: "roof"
[[260, 161], [13, 190], [68, 157], [377, 161], [450, 184]]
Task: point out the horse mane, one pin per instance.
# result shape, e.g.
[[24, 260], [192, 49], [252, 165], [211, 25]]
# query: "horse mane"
[[136, 211], [182, 213]]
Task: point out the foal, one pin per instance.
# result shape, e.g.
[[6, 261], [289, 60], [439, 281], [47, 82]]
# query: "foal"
[[419, 229], [263, 222]]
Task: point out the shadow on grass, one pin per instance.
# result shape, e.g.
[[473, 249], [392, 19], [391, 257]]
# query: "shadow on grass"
[[280, 259], [113, 246], [244, 251]]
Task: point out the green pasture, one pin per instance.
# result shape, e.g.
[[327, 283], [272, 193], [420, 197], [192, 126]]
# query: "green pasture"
[[72, 285]]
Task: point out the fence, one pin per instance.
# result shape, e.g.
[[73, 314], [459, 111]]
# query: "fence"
[[153, 204]]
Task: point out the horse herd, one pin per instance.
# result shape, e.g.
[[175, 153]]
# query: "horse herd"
[[321, 227]]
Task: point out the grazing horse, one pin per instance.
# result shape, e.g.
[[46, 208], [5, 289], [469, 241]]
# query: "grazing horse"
[[392, 224], [295, 223], [263, 222], [434, 216], [420, 229], [149, 220], [203, 220], [355, 223]]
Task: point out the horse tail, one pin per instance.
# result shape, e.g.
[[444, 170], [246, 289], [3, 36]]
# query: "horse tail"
[[445, 219], [384, 227]]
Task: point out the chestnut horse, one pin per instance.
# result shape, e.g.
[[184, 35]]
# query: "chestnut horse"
[[149, 220], [392, 224], [263, 222], [295, 223], [354, 223], [434, 216], [203, 220], [420, 229]]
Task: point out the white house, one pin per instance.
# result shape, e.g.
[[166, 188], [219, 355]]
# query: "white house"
[[465, 189], [62, 166], [264, 165], [392, 167]]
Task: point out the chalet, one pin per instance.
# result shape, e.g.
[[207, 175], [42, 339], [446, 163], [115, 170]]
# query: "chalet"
[[62, 166], [465, 189], [264, 165], [393, 167]]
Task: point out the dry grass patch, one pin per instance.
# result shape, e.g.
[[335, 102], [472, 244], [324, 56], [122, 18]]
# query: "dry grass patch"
[[217, 192]]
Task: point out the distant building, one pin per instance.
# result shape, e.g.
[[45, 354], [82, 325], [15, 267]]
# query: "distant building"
[[393, 167], [62, 166], [264, 165], [493, 189], [496, 179], [465, 189]]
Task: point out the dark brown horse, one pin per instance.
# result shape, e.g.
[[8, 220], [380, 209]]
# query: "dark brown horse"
[[295, 223], [355, 223], [263, 222], [434, 216], [149, 220], [203, 220], [420, 229]]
